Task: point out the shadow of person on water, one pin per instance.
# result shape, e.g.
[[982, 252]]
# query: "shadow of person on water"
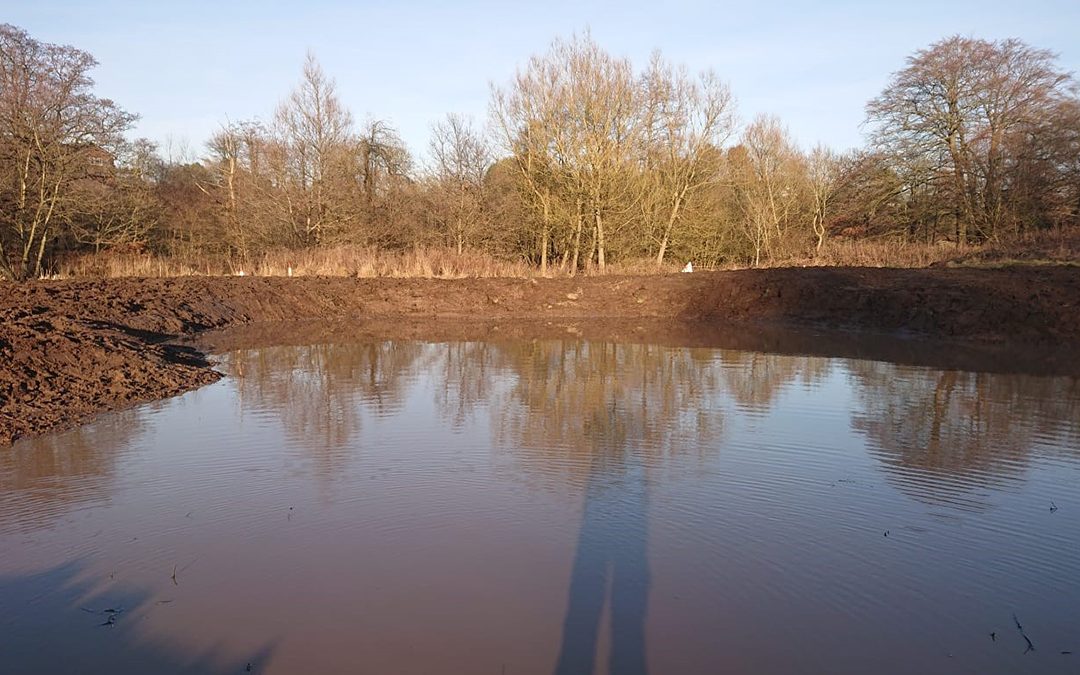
[[58, 620], [610, 558]]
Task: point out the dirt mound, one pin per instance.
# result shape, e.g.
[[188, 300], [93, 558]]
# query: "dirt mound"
[[75, 348]]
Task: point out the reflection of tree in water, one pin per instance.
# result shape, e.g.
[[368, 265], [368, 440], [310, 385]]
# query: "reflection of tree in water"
[[601, 416], [462, 373], [45, 477], [320, 391], [570, 401], [943, 433], [754, 379], [601, 413]]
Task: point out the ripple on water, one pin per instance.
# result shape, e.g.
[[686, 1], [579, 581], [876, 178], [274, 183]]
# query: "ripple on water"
[[461, 507]]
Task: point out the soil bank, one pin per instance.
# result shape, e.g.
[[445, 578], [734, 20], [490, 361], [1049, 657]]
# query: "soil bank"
[[72, 349]]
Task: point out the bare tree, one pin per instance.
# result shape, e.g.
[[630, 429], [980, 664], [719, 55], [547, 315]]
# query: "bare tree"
[[117, 206], [767, 175], [823, 174], [254, 187], [382, 156], [524, 118], [53, 131], [595, 143], [965, 105], [570, 118], [316, 132], [461, 160], [686, 121]]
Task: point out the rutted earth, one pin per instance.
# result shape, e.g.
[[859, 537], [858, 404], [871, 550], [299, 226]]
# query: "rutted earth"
[[72, 349]]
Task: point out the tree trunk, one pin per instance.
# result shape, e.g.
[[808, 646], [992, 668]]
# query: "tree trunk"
[[577, 239], [672, 217], [600, 256], [545, 226], [5, 265]]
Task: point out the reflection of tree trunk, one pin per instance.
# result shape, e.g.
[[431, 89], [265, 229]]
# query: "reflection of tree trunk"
[[942, 395]]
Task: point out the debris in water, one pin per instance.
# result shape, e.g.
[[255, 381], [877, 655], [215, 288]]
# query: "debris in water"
[[175, 583], [1053, 507], [1030, 646], [110, 614], [993, 636]]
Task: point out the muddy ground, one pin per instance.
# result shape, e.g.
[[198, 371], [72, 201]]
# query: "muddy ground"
[[72, 349]]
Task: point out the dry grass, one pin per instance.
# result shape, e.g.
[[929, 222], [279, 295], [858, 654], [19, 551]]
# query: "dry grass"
[[337, 262], [880, 253], [113, 265], [357, 262], [433, 263], [447, 264], [1044, 248]]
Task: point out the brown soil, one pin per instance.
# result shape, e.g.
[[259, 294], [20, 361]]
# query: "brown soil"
[[75, 348]]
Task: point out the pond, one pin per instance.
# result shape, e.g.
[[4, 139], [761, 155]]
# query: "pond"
[[552, 506]]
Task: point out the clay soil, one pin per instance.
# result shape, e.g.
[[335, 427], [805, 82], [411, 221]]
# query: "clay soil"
[[72, 349]]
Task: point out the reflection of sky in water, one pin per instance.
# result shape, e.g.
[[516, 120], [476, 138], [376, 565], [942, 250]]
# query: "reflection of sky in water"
[[464, 506]]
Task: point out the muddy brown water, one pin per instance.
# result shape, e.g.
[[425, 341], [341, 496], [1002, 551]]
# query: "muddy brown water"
[[552, 506]]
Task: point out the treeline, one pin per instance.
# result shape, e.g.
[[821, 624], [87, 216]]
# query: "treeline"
[[585, 160]]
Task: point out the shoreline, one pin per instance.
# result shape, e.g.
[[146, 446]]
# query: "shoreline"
[[74, 349]]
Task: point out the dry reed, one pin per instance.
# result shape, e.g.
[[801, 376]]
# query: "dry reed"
[[432, 262]]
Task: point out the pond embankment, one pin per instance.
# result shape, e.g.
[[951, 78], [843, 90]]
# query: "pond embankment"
[[72, 349]]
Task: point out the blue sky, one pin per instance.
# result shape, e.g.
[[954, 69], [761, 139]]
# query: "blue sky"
[[187, 67]]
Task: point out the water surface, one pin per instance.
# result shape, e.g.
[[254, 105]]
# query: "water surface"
[[553, 507]]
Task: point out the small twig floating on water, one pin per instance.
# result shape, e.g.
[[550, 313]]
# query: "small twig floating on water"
[[110, 614], [1030, 646], [175, 583]]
